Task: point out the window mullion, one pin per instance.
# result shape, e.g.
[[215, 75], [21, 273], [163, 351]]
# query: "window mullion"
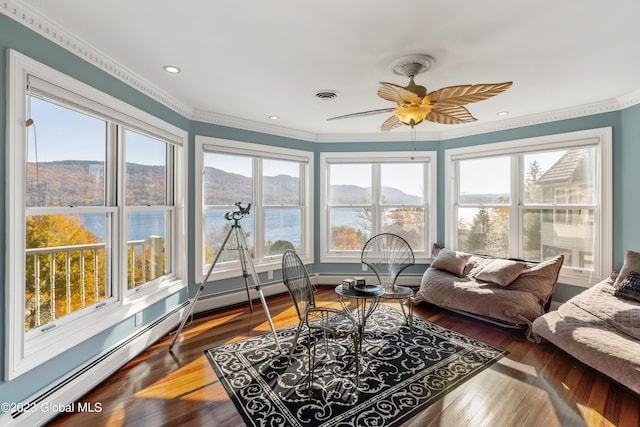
[[258, 209], [376, 205], [515, 225], [116, 197]]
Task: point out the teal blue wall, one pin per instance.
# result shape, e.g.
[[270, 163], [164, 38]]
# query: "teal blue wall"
[[626, 174], [17, 37]]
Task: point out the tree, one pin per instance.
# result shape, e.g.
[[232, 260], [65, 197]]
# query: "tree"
[[215, 237], [489, 232], [344, 237], [532, 232], [407, 223], [532, 188], [477, 239], [50, 231], [278, 247]]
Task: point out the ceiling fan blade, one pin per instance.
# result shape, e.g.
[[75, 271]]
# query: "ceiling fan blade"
[[466, 94], [395, 93], [362, 114], [454, 115], [391, 123]]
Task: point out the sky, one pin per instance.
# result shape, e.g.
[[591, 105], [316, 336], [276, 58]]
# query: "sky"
[[56, 139], [495, 172]]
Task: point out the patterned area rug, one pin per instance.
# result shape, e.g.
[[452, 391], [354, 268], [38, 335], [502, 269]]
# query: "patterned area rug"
[[399, 377]]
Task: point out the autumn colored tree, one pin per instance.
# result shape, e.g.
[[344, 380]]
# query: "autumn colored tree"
[[344, 237], [61, 283], [407, 223]]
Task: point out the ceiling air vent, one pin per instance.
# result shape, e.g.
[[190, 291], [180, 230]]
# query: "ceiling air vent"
[[327, 94]]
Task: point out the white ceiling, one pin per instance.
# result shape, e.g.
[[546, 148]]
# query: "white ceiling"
[[253, 59]]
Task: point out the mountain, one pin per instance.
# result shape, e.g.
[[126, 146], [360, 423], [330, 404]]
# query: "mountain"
[[482, 199], [81, 183], [353, 194]]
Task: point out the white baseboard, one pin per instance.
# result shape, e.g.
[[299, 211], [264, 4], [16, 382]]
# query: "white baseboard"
[[61, 395], [226, 299]]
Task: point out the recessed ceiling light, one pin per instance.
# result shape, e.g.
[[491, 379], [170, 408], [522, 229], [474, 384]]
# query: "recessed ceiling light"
[[171, 69], [503, 113], [274, 117]]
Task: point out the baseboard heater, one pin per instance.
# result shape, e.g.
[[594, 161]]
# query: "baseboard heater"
[[109, 362]]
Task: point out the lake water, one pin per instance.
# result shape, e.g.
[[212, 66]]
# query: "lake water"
[[282, 224]]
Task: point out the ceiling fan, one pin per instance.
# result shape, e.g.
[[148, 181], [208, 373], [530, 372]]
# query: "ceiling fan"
[[414, 104]]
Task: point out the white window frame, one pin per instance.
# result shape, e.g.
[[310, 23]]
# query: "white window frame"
[[600, 138], [262, 263], [23, 351], [168, 208], [422, 255]]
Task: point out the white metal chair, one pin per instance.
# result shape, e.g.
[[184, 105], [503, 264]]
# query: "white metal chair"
[[388, 255], [317, 320]]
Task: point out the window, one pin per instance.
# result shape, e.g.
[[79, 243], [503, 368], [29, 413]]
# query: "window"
[[149, 207], [277, 184], [535, 199], [364, 194], [96, 208]]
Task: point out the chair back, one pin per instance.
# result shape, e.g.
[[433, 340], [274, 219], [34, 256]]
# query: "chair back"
[[296, 279], [387, 255]]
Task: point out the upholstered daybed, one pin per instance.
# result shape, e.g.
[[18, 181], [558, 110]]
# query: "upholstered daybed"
[[507, 292], [601, 325]]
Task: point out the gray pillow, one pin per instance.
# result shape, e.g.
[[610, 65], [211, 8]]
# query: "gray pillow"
[[540, 279], [631, 263], [500, 271], [451, 261]]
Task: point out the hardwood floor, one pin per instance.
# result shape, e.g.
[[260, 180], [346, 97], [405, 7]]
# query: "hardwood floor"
[[534, 385]]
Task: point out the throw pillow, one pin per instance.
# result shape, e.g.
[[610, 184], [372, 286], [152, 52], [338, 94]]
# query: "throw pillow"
[[630, 287], [500, 271], [540, 279], [475, 264], [631, 263], [435, 250], [451, 261]]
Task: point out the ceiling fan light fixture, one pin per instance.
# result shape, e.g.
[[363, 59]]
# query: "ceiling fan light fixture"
[[412, 115], [415, 103]]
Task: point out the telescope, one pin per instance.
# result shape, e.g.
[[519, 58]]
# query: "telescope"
[[248, 269], [239, 214]]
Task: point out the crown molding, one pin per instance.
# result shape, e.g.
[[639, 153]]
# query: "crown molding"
[[629, 100], [534, 119], [590, 109], [41, 25], [238, 123], [600, 107]]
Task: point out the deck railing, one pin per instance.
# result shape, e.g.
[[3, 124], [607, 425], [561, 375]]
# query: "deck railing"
[[64, 279]]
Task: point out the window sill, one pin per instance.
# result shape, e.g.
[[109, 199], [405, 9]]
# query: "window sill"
[[44, 346]]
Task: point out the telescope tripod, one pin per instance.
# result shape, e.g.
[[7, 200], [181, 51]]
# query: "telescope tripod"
[[245, 260]]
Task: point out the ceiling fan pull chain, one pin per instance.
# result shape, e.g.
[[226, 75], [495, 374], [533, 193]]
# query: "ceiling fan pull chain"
[[413, 142]]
